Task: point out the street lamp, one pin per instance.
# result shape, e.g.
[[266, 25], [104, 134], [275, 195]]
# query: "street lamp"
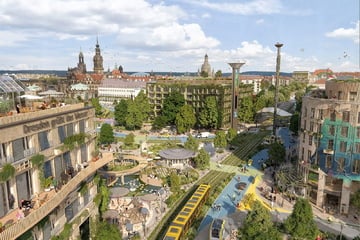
[[276, 97]]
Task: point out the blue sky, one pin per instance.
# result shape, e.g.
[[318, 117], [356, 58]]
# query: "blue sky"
[[175, 35]]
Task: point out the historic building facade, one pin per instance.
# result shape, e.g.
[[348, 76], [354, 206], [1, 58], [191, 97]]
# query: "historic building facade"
[[35, 146], [329, 144]]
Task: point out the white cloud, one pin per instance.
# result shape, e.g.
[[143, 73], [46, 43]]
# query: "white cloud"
[[346, 33], [260, 21], [247, 8]]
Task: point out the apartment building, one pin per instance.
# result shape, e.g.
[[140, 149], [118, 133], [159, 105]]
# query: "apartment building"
[[41, 148], [329, 144]]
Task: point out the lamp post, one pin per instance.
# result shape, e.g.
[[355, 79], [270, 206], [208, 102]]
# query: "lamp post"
[[278, 46], [235, 85]]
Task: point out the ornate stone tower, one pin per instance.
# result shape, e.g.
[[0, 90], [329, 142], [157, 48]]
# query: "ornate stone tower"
[[98, 59], [205, 67], [81, 63]]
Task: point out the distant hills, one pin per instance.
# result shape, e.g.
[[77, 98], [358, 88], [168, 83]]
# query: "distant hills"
[[63, 73]]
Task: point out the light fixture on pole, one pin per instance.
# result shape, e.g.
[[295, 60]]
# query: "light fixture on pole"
[[276, 95], [234, 90]]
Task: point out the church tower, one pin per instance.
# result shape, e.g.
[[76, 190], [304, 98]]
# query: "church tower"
[[81, 63], [205, 67], [98, 59]]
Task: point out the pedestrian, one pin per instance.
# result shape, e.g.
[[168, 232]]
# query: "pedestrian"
[[20, 214]]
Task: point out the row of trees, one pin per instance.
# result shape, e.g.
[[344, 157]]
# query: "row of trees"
[[259, 225]]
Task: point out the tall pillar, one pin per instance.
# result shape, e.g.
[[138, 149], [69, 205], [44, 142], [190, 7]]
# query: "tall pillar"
[[235, 86], [278, 46]]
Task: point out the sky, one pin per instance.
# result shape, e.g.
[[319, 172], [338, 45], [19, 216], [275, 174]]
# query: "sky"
[[175, 35]]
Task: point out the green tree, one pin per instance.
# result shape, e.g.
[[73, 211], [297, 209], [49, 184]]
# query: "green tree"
[[202, 160], [105, 230], [218, 74], [142, 102], [191, 143], [220, 139], [134, 117], [96, 104], [258, 225], [129, 139], [106, 135], [120, 112], [246, 110], [159, 122], [300, 224], [204, 74], [294, 123], [171, 106], [185, 119], [231, 135], [209, 115], [276, 153], [175, 182]]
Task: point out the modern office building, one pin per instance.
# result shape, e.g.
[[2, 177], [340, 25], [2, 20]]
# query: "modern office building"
[[41, 148], [329, 144]]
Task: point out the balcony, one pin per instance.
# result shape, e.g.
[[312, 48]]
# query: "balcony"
[[21, 226]]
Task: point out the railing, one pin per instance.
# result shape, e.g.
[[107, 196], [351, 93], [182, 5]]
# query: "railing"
[[23, 225]]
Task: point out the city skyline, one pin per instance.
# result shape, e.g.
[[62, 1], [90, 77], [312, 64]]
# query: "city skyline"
[[176, 35]]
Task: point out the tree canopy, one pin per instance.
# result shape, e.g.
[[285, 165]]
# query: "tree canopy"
[[191, 143], [276, 153], [220, 139], [258, 224], [300, 224], [120, 112], [98, 109], [106, 135], [185, 119], [246, 110], [209, 115], [171, 106], [202, 160], [105, 230]]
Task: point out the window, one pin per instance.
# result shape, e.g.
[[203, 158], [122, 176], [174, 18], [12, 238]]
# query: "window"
[[321, 114], [309, 156], [305, 123], [331, 144], [310, 140], [340, 164], [43, 140], [356, 166], [302, 154], [357, 147], [18, 148], [333, 116], [343, 146], [344, 131], [332, 130], [47, 169], [305, 112], [328, 161], [358, 117], [303, 137], [352, 96], [346, 116], [340, 95], [311, 126], [358, 132], [312, 112]]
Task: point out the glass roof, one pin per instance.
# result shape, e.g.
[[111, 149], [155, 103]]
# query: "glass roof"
[[9, 85]]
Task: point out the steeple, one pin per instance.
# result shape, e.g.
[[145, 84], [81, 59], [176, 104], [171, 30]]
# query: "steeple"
[[98, 59]]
